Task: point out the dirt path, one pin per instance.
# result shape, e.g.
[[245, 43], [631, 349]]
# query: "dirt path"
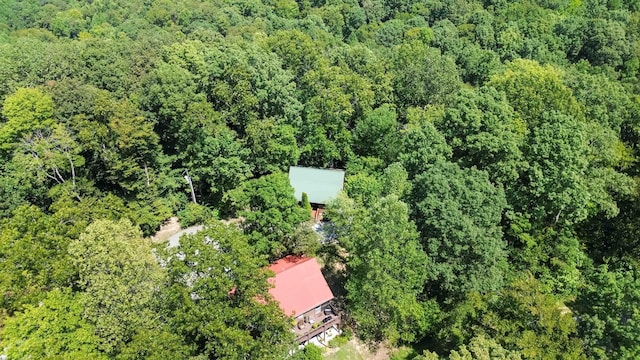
[[171, 227], [171, 231]]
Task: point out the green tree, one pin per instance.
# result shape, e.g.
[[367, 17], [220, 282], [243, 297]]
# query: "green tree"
[[271, 213], [273, 146], [533, 90], [56, 328], [169, 91], [422, 144], [16, 190], [482, 348], [375, 239], [25, 111], [522, 318], [51, 156], [458, 212], [613, 238], [558, 173], [395, 181], [369, 64], [605, 101], [554, 255], [362, 187], [607, 313], [484, 132], [301, 52], [305, 202], [219, 300], [68, 23], [121, 278], [247, 83], [216, 159], [310, 352], [124, 151], [33, 249], [334, 98], [604, 42], [376, 135], [422, 75]]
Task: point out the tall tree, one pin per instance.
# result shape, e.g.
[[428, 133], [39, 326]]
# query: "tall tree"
[[523, 318], [376, 135], [387, 269], [422, 144], [608, 314], [55, 328], [121, 278], [273, 146], [33, 249], [571, 171], [25, 111], [219, 297], [423, 75], [271, 213], [484, 131], [458, 212], [52, 156], [533, 89]]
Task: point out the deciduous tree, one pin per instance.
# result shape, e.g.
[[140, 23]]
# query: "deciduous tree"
[[219, 298], [271, 213], [387, 269], [458, 212], [121, 278]]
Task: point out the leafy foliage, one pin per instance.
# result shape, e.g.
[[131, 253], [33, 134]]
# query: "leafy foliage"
[[66, 332], [376, 239], [119, 275], [270, 211], [508, 131], [457, 212], [607, 313], [218, 297]]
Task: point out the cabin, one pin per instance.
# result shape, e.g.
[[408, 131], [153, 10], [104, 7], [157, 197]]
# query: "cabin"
[[320, 185], [303, 293]]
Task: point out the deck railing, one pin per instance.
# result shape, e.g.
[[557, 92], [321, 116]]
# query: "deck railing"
[[335, 321]]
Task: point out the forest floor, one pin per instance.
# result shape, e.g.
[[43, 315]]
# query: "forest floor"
[[356, 350], [171, 227]]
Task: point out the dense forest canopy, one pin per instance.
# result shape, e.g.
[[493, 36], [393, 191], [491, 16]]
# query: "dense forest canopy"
[[490, 208]]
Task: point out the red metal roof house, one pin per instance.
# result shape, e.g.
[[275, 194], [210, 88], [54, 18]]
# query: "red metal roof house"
[[303, 293]]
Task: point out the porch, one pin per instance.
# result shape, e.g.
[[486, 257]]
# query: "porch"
[[316, 322]]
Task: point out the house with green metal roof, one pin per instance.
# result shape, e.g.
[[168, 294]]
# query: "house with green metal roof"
[[320, 185]]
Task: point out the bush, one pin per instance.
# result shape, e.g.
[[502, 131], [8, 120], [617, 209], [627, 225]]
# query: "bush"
[[347, 333], [312, 352], [338, 341], [195, 214]]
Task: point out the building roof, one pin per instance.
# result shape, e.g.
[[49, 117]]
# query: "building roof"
[[299, 285], [321, 185]]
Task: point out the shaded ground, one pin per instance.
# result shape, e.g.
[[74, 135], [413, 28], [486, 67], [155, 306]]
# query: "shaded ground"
[[355, 350], [347, 352], [170, 227], [331, 258]]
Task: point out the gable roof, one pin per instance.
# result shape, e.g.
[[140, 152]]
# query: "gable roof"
[[299, 285], [321, 185]]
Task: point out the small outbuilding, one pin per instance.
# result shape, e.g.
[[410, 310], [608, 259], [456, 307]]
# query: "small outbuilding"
[[320, 185], [303, 293]]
